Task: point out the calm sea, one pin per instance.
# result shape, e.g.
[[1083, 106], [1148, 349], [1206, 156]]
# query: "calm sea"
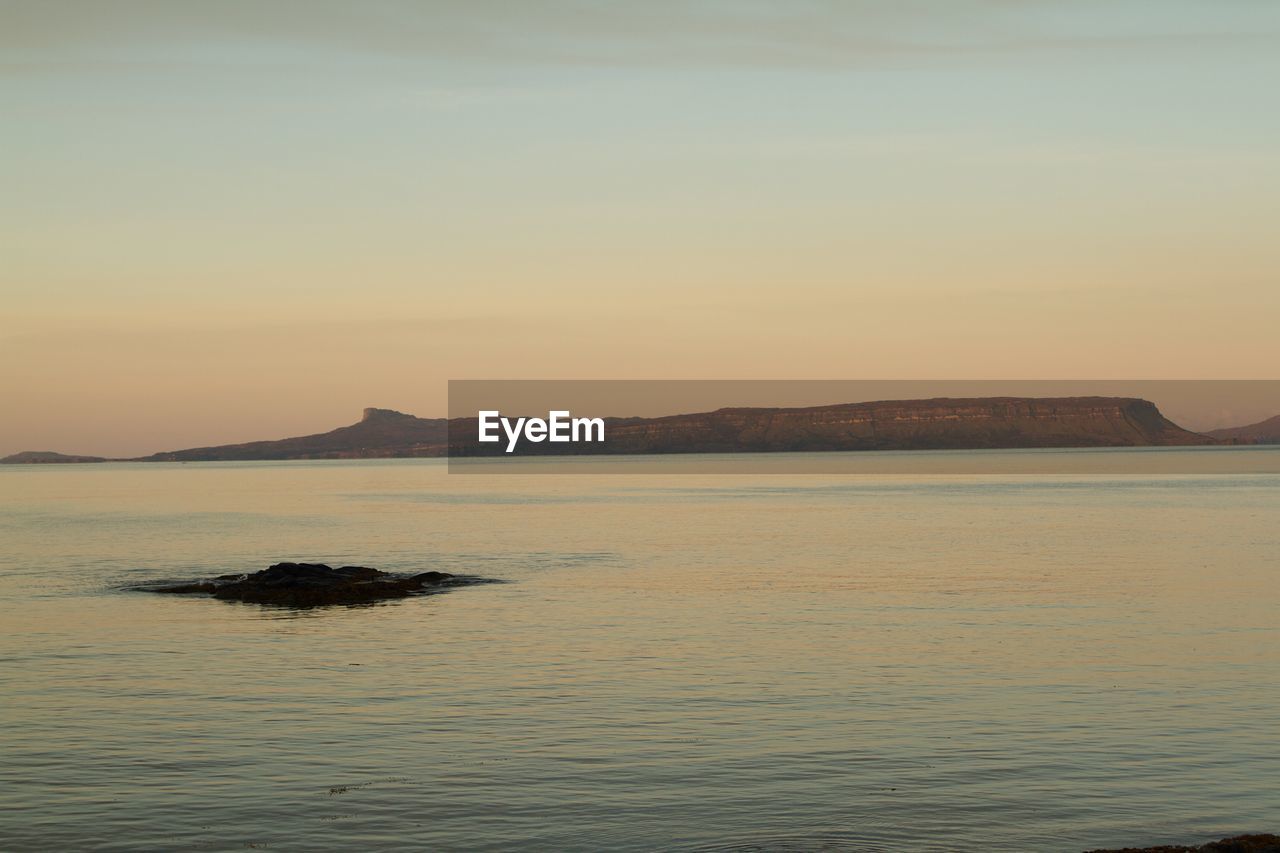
[[892, 662]]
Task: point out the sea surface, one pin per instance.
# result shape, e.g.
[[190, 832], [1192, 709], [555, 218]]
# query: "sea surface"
[[882, 662]]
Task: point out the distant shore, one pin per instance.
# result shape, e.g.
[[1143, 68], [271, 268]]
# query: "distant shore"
[[981, 423]]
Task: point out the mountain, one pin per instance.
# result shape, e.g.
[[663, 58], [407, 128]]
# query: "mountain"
[[1264, 432], [380, 433], [937, 424], [44, 457]]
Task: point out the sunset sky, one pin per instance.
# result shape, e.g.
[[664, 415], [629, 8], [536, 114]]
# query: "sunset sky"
[[225, 221]]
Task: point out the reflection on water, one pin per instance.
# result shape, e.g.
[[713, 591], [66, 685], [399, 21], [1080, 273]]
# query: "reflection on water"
[[906, 661]]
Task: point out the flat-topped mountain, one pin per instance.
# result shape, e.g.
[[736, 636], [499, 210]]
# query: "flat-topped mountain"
[[937, 424], [1263, 432], [941, 424]]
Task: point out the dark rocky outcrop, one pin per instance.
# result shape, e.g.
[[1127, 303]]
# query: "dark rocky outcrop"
[[1236, 844], [315, 584]]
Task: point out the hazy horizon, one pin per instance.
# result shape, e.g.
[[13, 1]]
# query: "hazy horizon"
[[228, 222], [1195, 405]]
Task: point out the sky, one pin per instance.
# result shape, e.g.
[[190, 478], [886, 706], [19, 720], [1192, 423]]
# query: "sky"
[[226, 221]]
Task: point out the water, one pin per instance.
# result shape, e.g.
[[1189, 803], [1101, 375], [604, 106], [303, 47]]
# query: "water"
[[963, 662]]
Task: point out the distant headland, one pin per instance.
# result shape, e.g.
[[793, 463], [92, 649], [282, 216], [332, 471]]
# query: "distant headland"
[[43, 457], [1264, 432], [934, 424]]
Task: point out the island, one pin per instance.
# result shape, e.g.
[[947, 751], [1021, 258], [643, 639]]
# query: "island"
[[1263, 432], [47, 457], [980, 423], [314, 585]]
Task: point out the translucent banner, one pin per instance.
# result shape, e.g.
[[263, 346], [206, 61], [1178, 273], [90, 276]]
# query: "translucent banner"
[[864, 426]]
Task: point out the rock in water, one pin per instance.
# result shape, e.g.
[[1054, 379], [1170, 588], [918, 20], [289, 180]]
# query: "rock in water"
[[315, 584], [1235, 844]]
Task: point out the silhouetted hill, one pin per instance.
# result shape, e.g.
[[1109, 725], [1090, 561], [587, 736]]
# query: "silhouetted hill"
[[1264, 432], [43, 457], [937, 424], [380, 433]]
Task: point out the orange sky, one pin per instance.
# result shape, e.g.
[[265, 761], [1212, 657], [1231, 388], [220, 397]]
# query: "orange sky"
[[222, 224]]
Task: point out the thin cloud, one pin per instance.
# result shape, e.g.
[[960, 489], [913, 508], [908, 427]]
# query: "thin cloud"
[[818, 34]]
